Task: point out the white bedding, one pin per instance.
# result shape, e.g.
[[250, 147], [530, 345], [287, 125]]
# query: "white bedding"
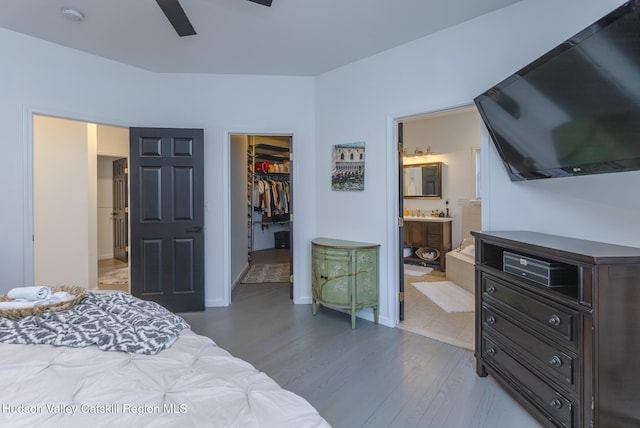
[[194, 383]]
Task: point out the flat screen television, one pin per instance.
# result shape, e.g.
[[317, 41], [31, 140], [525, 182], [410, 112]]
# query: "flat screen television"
[[576, 109]]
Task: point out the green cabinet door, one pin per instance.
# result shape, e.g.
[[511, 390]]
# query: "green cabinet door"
[[331, 279], [366, 277]]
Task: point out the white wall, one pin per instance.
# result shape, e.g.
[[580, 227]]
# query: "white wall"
[[113, 141], [359, 102], [46, 78], [599, 207], [64, 175]]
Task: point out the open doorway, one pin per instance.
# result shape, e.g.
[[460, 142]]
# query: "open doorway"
[[73, 200], [434, 226], [113, 223], [261, 210]]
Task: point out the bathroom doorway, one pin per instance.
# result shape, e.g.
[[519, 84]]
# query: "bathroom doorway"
[[451, 138]]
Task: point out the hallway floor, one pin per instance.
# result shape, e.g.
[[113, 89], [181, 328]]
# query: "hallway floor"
[[106, 266]]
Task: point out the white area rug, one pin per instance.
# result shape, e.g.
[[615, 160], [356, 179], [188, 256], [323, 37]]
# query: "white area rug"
[[413, 270], [447, 295], [271, 272], [118, 276]]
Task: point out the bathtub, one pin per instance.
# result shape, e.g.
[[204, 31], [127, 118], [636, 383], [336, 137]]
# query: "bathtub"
[[460, 267]]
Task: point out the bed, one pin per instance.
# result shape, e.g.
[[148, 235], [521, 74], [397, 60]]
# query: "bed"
[[57, 371]]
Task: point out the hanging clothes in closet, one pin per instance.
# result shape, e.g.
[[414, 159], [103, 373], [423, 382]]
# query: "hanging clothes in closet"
[[271, 198]]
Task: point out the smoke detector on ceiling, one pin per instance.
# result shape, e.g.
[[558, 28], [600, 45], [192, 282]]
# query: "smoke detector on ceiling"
[[72, 14]]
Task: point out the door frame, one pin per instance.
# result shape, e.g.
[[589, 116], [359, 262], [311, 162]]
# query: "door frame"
[[226, 214], [394, 163], [28, 113]]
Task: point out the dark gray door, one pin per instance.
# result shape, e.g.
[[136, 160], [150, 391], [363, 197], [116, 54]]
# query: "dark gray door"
[[400, 214], [120, 210], [167, 216]]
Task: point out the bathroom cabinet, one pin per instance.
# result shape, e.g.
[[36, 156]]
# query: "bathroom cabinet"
[[428, 232], [345, 276], [557, 326]]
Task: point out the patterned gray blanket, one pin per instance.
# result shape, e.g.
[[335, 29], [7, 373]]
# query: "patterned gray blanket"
[[112, 322]]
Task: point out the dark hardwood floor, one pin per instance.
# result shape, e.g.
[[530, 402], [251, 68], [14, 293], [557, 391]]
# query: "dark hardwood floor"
[[373, 376]]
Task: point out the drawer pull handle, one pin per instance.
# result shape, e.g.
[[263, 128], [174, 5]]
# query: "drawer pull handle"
[[491, 289], [491, 351], [555, 361], [491, 319], [554, 320], [556, 404]]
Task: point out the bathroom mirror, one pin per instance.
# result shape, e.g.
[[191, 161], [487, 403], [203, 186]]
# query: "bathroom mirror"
[[423, 181]]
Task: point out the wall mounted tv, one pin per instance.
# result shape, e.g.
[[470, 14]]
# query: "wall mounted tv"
[[576, 109]]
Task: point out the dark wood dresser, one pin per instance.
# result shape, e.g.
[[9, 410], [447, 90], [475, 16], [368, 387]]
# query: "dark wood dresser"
[[558, 326]]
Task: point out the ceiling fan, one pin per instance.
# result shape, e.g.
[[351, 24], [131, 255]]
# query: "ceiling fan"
[[176, 16]]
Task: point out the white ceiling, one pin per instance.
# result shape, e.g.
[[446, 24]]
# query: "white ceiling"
[[293, 37]]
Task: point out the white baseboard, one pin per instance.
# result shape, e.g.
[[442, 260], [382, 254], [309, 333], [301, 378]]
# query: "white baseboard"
[[239, 277]]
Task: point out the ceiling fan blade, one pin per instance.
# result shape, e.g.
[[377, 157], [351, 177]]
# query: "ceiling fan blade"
[[176, 16], [263, 2]]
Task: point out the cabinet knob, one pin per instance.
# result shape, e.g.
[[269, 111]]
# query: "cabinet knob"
[[556, 404], [491, 319], [554, 320], [555, 361], [491, 351], [491, 289]]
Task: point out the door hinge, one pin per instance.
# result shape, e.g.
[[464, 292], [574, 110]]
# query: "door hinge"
[[291, 156], [290, 218], [400, 148], [400, 222], [401, 296], [291, 279], [126, 210], [126, 170], [126, 249]]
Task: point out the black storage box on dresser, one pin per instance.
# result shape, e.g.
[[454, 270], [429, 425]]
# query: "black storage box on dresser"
[[549, 273], [557, 324]]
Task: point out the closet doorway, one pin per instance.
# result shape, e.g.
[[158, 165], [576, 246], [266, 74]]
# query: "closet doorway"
[[261, 210]]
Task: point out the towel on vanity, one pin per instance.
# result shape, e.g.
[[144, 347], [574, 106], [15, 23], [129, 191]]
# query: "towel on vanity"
[[29, 294]]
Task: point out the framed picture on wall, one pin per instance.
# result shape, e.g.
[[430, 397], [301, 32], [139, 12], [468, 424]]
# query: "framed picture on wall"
[[347, 167]]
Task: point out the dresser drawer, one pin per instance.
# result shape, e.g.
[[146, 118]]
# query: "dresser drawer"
[[542, 395], [555, 363], [541, 313]]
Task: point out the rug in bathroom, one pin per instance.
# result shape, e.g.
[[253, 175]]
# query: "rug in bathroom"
[[447, 295], [413, 270]]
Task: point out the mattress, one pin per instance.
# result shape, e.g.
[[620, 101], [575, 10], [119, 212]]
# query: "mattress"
[[193, 383]]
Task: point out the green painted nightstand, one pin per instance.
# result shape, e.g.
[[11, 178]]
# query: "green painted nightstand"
[[345, 275]]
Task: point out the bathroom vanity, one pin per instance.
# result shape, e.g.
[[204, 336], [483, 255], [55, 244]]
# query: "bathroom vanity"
[[428, 233]]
